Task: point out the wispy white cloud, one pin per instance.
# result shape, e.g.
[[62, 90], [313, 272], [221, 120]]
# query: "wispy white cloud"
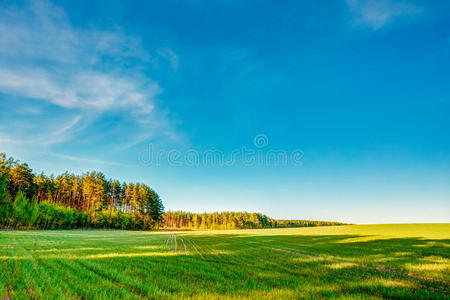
[[45, 134], [68, 126], [84, 89], [85, 160], [378, 13], [84, 73], [43, 31], [168, 54]]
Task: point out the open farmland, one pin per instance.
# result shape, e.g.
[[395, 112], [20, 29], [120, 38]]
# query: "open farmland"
[[357, 261]]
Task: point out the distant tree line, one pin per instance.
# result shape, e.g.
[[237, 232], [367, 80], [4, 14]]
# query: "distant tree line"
[[222, 220], [304, 223], [231, 220], [68, 201]]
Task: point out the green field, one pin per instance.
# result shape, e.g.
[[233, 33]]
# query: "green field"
[[357, 261]]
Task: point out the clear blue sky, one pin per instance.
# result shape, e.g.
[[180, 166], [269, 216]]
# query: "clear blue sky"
[[360, 87]]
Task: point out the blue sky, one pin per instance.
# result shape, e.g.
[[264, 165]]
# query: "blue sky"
[[360, 88]]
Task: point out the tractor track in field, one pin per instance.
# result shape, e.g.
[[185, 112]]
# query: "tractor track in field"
[[186, 251], [114, 281], [49, 266], [67, 265], [225, 261], [196, 250], [168, 239], [36, 260], [284, 251], [166, 260], [68, 275], [211, 251], [290, 251]]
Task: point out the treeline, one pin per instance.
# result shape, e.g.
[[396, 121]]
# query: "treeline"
[[304, 223], [222, 220], [69, 201], [231, 220]]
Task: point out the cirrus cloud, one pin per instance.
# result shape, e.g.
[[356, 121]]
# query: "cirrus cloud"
[[84, 73], [378, 13]]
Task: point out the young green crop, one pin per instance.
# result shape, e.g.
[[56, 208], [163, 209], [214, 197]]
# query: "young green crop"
[[367, 261]]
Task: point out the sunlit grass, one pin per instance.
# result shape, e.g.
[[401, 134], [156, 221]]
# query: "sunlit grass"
[[410, 261]]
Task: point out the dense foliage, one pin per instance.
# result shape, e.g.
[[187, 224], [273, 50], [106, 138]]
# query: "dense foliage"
[[231, 220], [223, 220], [69, 201]]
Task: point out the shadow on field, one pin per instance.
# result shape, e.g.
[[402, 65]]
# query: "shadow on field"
[[187, 265]]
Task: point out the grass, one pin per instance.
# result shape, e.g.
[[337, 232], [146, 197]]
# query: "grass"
[[410, 261]]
